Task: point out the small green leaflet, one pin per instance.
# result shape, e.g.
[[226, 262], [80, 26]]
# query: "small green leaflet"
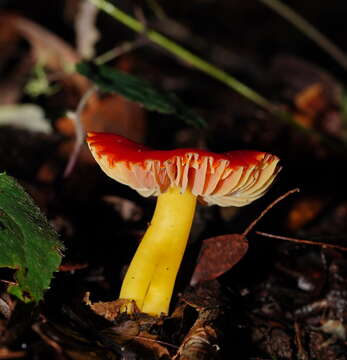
[[140, 91], [27, 242]]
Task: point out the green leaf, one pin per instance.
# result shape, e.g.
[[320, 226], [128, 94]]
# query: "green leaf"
[[27, 242], [140, 91]]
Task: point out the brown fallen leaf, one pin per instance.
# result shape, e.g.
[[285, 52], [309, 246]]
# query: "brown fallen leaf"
[[7, 305], [111, 113], [200, 343], [112, 309], [335, 328], [295, 76], [202, 339], [72, 267], [9, 354], [155, 347], [304, 120], [315, 95], [218, 255], [128, 330], [303, 211], [311, 100]]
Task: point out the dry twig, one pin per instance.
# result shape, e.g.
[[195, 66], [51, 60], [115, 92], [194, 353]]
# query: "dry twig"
[[265, 211], [302, 241]]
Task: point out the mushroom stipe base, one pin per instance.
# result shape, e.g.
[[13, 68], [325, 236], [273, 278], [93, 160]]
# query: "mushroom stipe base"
[[152, 273]]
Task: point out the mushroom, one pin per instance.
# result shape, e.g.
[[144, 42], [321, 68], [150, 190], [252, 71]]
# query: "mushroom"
[[178, 178]]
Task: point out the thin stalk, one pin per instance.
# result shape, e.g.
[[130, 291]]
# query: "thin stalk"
[[302, 241], [268, 208], [309, 30], [184, 54], [119, 50]]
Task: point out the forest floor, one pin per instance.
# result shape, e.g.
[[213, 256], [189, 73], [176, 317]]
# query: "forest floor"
[[275, 299]]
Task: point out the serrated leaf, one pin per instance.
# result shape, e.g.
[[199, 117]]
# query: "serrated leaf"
[[140, 91], [27, 242]]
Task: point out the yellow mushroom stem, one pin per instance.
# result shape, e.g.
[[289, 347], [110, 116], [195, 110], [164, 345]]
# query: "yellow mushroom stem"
[[151, 276]]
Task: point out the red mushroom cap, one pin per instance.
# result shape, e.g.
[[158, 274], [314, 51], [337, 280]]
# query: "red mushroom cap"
[[234, 178]]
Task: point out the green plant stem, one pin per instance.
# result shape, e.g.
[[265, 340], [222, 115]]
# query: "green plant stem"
[[222, 76], [309, 30], [184, 54]]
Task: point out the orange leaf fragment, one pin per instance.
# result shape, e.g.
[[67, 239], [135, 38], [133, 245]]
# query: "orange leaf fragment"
[[304, 211], [111, 113], [311, 100]]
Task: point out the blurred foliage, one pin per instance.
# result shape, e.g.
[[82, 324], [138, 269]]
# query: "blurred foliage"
[[140, 91]]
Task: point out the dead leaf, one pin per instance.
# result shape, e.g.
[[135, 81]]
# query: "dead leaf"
[[128, 329], [295, 76], [72, 267], [315, 94], [9, 354], [201, 342], [218, 255], [125, 331], [7, 305], [333, 222], [65, 126], [335, 328], [311, 100], [111, 309], [307, 122], [303, 211], [155, 347], [113, 113]]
